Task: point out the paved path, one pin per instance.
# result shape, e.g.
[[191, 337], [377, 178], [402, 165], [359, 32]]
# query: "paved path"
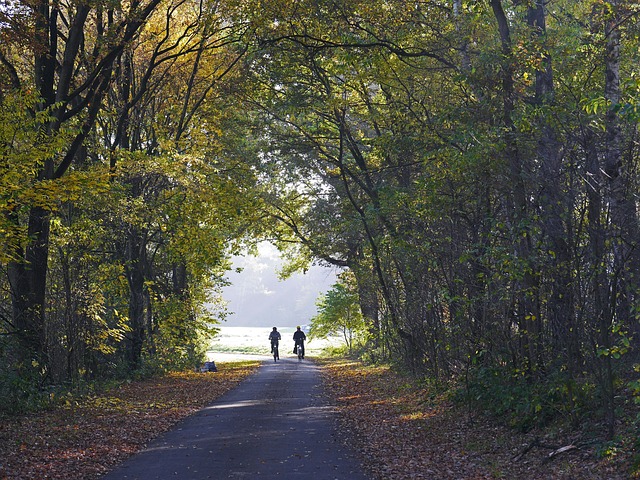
[[276, 424]]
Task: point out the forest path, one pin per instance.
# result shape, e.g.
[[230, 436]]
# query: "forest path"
[[276, 424]]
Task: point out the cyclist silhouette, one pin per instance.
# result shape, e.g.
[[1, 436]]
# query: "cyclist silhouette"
[[275, 337], [299, 337]]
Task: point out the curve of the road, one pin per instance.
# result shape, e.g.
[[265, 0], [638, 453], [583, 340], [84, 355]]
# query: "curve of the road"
[[275, 424]]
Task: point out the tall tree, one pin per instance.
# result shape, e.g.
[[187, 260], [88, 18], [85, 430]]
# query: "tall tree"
[[173, 69], [74, 47]]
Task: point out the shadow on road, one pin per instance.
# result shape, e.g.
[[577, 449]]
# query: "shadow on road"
[[276, 424]]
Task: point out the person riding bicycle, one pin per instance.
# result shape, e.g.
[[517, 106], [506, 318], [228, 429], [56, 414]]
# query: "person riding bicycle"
[[275, 337], [299, 337]]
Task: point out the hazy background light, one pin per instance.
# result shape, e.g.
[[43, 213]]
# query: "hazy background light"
[[258, 298]]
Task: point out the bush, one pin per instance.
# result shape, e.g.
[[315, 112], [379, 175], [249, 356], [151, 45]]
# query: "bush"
[[526, 403], [21, 389]]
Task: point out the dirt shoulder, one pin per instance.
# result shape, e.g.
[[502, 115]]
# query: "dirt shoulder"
[[405, 432]]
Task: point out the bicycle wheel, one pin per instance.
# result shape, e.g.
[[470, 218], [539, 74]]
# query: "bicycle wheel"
[[276, 355], [300, 353]]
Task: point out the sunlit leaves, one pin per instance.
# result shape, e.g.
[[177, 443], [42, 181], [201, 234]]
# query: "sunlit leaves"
[[24, 148], [339, 312]]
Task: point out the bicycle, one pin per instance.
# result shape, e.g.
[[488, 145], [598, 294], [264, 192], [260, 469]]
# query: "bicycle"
[[274, 350], [300, 351]]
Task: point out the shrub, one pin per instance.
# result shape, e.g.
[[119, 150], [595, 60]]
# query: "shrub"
[[526, 403]]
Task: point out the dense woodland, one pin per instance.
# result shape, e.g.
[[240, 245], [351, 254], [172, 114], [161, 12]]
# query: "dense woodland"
[[473, 165]]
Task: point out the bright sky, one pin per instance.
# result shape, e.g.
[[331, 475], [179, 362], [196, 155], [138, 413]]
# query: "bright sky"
[[259, 299]]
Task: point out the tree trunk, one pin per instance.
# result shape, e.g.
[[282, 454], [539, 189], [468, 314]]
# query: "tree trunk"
[[554, 205], [621, 209], [28, 274], [622, 205], [369, 304], [527, 308], [28, 288], [135, 265], [601, 286]]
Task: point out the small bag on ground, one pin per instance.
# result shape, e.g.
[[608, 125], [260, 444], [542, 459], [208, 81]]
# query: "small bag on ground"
[[208, 367]]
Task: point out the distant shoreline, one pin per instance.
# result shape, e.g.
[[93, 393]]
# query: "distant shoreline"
[[252, 343]]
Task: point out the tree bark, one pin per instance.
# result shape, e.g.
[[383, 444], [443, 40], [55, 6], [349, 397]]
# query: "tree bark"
[[28, 288], [527, 309], [622, 206], [554, 203], [135, 270], [623, 222]]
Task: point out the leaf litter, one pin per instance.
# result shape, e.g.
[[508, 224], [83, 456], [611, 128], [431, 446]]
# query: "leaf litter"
[[401, 432], [86, 437], [406, 432]]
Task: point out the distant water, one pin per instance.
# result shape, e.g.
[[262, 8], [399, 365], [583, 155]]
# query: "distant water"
[[253, 342]]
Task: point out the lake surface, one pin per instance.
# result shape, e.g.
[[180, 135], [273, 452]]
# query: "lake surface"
[[234, 343]]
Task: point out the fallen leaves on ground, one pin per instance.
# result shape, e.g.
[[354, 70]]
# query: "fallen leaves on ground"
[[405, 432], [86, 438], [402, 432]]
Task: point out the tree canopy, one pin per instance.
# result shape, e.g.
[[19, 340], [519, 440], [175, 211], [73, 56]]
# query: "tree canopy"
[[473, 166]]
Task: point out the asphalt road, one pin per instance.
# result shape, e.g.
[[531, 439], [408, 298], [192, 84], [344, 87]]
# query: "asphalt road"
[[276, 424]]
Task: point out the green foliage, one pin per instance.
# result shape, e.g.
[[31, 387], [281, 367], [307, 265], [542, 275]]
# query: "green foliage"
[[621, 344], [184, 334], [87, 316], [339, 312], [523, 403], [21, 384], [338, 351], [24, 147], [635, 386]]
